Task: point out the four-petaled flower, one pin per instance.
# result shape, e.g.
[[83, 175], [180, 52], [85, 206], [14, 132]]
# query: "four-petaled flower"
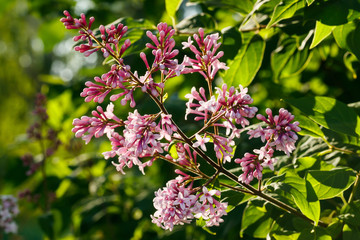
[[201, 142]]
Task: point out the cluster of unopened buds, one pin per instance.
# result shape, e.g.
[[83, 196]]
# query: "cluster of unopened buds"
[[8, 211], [141, 139]]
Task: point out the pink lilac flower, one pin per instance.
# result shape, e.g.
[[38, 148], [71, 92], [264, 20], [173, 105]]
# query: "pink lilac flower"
[[173, 205], [166, 126], [223, 110], [201, 142], [140, 139], [210, 209], [252, 164], [236, 104], [177, 204], [8, 210], [223, 147], [207, 195], [116, 79], [206, 60], [184, 155], [279, 132], [101, 123], [110, 37], [163, 51]]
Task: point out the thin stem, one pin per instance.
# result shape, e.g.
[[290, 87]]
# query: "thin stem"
[[334, 148], [343, 198], [235, 188], [355, 187], [43, 173], [259, 185], [211, 178]]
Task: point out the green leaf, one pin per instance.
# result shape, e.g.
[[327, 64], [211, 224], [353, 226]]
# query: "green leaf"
[[246, 63], [191, 23], [317, 233], [350, 233], [172, 6], [308, 127], [322, 31], [301, 192], [243, 6], [281, 55], [296, 63], [256, 221], [350, 60], [46, 222], [328, 184], [309, 2], [285, 9], [350, 213], [309, 163], [232, 42], [347, 37], [329, 113], [334, 13], [286, 235], [304, 196], [58, 108], [234, 198]]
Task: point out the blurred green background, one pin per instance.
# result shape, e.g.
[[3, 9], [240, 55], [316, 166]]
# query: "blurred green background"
[[88, 198]]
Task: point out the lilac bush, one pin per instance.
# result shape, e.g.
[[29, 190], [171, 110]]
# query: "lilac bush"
[[225, 113], [8, 211]]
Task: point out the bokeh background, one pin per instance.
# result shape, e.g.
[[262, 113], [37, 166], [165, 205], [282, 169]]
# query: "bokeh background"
[[84, 197]]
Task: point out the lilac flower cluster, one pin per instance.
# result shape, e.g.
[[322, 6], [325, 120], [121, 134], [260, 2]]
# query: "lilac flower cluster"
[[8, 210], [177, 204], [141, 139], [279, 134], [101, 123], [37, 132], [206, 60], [230, 106], [185, 156]]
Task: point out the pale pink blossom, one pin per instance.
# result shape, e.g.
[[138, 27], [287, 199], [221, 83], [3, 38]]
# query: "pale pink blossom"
[[177, 204], [8, 211], [280, 132], [206, 60], [201, 142], [102, 122]]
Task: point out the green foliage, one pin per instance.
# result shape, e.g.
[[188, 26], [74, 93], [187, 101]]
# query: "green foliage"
[[329, 184], [248, 61], [305, 52]]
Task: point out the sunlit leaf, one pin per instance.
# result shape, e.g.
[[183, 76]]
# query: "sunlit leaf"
[[304, 196], [256, 220], [347, 37], [322, 31], [296, 63], [246, 63], [350, 232], [281, 55], [285, 9], [329, 113], [328, 184], [172, 6], [309, 2], [308, 127], [234, 198]]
